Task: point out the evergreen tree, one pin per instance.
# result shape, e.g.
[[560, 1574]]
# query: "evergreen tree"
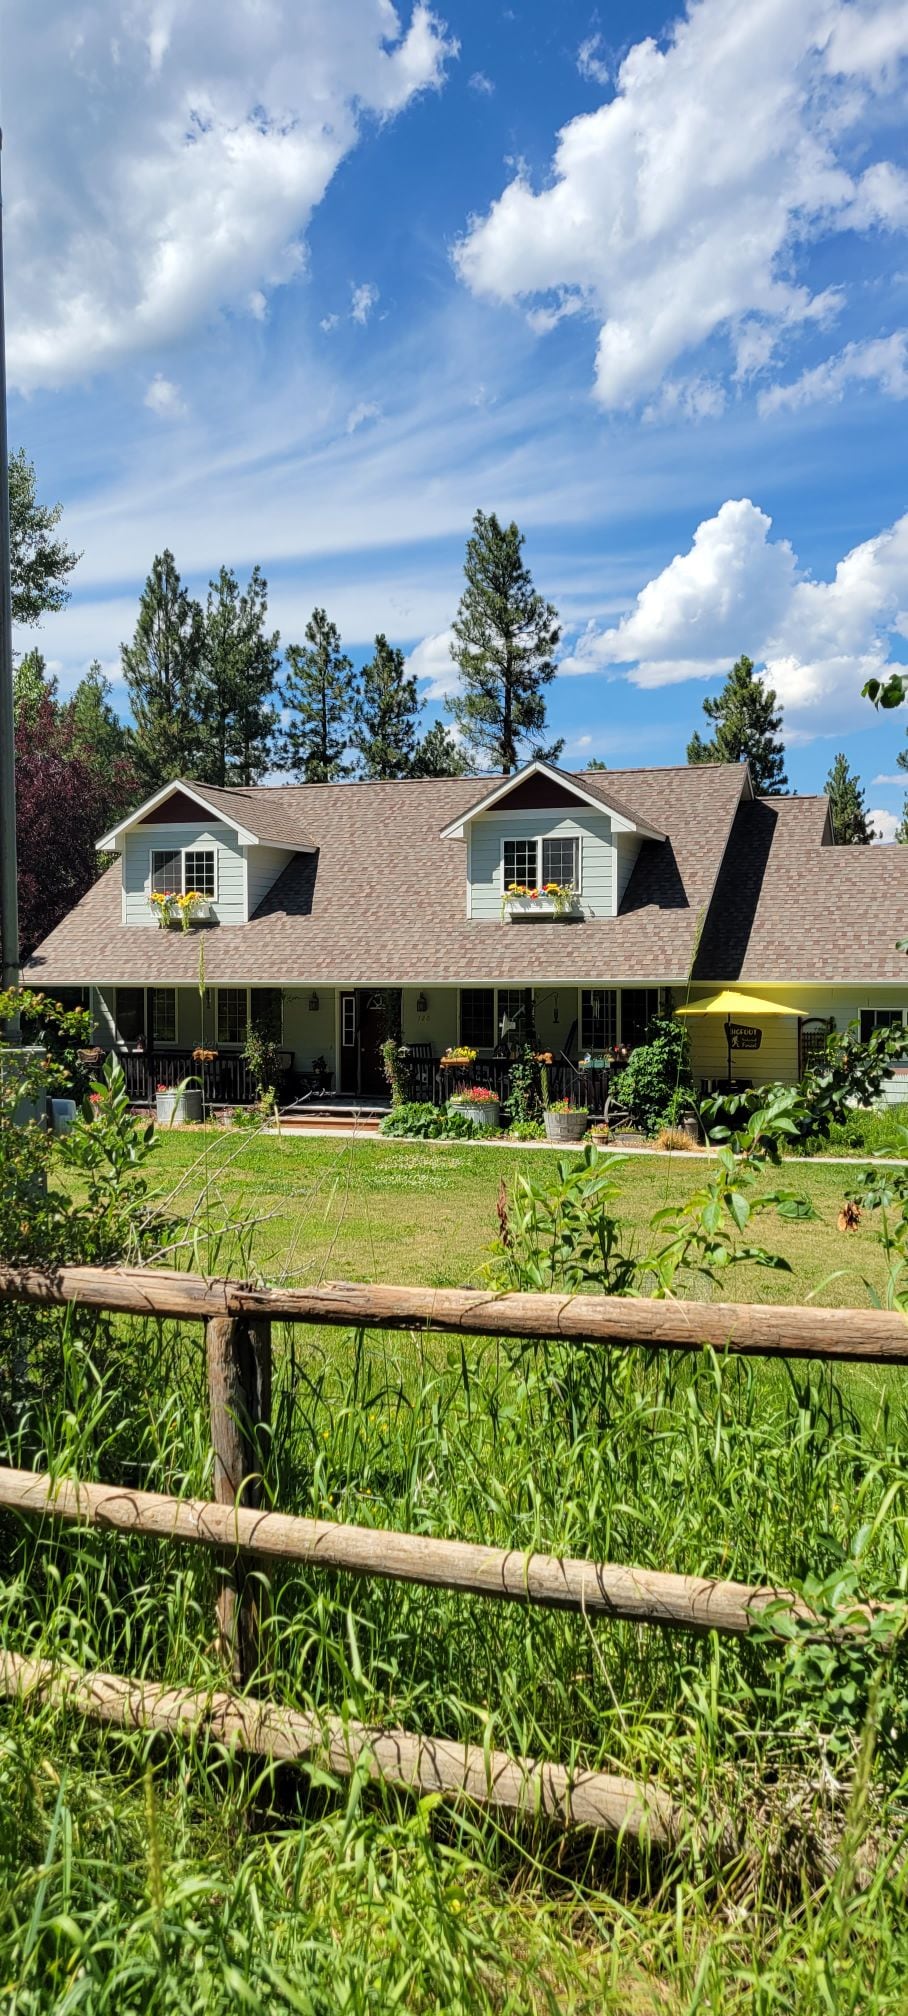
[[385, 714], [98, 734], [595, 763], [31, 688], [438, 755], [505, 636], [317, 690], [846, 803], [39, 564], [161, 668], [239, 668], [747, 723]]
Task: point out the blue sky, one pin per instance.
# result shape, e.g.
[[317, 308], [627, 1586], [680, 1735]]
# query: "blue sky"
[[304, 285]]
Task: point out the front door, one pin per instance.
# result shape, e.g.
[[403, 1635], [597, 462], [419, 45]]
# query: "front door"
[[374, 1011]]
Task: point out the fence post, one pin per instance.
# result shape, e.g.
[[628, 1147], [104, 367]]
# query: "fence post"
[[239, 1398]]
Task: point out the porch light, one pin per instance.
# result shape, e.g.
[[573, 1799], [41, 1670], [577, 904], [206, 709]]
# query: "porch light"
[[422, 1005], [313, 1004]]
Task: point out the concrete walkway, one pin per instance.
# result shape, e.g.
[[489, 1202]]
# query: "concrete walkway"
[[363, 1134]]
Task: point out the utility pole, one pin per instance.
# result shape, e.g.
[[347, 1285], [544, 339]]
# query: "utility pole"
[[9, 897]]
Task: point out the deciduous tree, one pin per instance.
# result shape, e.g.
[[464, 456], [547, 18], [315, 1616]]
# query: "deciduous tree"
[[747, 724], [40, 563], [505, 637]]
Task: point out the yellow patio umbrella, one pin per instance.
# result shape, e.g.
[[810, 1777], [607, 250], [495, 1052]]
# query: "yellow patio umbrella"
[[732, 1005]]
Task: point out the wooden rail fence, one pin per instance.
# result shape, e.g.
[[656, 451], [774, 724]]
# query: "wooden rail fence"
[[238, 1317]]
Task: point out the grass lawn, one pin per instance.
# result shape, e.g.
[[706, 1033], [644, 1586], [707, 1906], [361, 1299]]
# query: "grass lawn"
[[425, 1213]]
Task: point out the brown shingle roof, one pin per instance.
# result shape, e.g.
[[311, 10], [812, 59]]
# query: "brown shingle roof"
[[790, 909], [382, 902], [270, 812]]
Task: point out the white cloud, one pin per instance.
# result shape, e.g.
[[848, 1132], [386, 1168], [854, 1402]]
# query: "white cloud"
[[163, 170], [736, 589], [885, 827], [898, 777], [482, 85], [677, 211], [329, 322], [165, 398], [591, 60], [360, 414], [431, 660], [362, 302], [882, 362]]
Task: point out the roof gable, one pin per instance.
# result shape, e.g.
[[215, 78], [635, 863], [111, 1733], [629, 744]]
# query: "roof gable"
[[257, 813], [539, 785]]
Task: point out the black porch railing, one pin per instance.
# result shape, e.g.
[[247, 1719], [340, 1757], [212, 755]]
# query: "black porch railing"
[[226, 1080], [427, 1080]]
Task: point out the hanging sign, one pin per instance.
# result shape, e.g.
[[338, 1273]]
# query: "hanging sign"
[[741, 1037]]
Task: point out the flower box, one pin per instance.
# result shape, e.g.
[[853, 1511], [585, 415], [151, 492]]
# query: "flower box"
[[542, 909]]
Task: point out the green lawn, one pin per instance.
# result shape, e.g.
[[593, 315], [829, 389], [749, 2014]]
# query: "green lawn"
[[339, 1209]]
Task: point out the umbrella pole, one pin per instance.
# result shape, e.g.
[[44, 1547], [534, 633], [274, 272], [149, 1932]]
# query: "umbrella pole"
[[728, 1041]]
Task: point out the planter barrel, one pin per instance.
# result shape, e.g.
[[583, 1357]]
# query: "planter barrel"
[[179, 1109], [485, 1112], [566, 1126]]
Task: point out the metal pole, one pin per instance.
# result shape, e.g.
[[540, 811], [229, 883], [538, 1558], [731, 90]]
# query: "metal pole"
[[9, 899]]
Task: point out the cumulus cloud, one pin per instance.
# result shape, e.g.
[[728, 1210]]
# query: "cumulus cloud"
[[885, 827], [362, 301], [592, 61], [737, 589], [167, 161], [165, 398], [882, 362], [431, 660], [677, 211]]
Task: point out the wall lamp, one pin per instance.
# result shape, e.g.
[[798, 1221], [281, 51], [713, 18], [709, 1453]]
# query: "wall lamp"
[[422, 1005], [313, 1004]]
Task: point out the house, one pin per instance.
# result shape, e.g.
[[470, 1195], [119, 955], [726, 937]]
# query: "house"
[[327, 906]]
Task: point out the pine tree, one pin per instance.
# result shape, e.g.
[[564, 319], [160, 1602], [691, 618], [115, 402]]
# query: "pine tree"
[[747, 722], [846, 803], [98, 734], [505, 636], [438, 755], [239, 668], [595, 763], [385, 714], [161, 668], [32, 687], [39, 564], [317, 690]]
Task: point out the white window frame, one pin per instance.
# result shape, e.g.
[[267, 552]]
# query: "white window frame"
[[197, 847], [162, 1042], [536, 840], [348, 1021], [229, 1042], [880, 1008]]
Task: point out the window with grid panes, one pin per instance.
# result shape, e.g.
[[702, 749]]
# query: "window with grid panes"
[[512, 1006], [163, 1003], [232, 1014], [521, 863], [167, 871], [878, 1018], [130, 1014], [560, 863], [598, 1018], [477, 1017], [199, 870]]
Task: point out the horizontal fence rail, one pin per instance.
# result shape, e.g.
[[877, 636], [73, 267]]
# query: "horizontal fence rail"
[[521, 1786], [598, 1589], [868, 1336]]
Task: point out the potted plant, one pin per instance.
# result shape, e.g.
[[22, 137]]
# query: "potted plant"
[[564, 1121], [556, 900], [179, 1105], [192, 908], [163, 903], [481, 1104]]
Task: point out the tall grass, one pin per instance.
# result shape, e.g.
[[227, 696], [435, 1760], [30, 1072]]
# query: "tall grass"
[[140, 1875]]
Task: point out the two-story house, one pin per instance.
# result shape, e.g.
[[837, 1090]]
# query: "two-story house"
[[322, 901]]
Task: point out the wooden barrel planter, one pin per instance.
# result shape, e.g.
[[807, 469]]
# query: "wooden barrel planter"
[[179, 1108], [565, 1126]]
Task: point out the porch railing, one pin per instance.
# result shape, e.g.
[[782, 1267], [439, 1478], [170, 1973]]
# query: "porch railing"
[[227, 1080], [429, 1082]]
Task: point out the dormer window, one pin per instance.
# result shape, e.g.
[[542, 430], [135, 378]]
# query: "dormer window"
[[175, 870], [533, 863]]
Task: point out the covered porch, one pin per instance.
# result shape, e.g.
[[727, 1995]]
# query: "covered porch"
[[330, 1038]]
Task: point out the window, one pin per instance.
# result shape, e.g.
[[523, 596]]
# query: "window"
[[163, 1005], [233, 1014], [477, 1017], [198, 871], [521, 863], [598, 1018], [267, 1013], [131, 1014], [878, 1018], [638, 1006], [514, 1005], [348, 1020], [167, 871], [560, 862]]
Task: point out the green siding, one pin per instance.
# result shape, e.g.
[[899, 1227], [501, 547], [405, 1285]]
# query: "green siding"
[[230, 906], [597, 858]]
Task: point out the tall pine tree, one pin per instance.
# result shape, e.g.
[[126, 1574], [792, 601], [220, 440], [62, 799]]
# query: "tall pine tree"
[[240, 662], [505, 636], [99, 735], [317, 691], [438, 755], [161, 668], [850, 822], [385, 714], [747, 726]]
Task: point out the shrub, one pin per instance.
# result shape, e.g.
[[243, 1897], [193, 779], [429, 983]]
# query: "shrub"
[[263, 1057], [656, 1083], [394, 1066], [526, 1130], [428, 1123], [674, 1138]]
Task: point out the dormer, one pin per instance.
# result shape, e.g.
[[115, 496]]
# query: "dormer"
[[547, 826], [225, 847]]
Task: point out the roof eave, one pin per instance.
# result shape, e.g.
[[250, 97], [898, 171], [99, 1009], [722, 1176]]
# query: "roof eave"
[[621, 822]]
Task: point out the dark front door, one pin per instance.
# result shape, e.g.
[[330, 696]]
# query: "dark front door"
[[375, 1013]]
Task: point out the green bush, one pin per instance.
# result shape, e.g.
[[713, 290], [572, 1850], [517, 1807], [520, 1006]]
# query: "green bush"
[[656, 1084], [428, 1123]]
